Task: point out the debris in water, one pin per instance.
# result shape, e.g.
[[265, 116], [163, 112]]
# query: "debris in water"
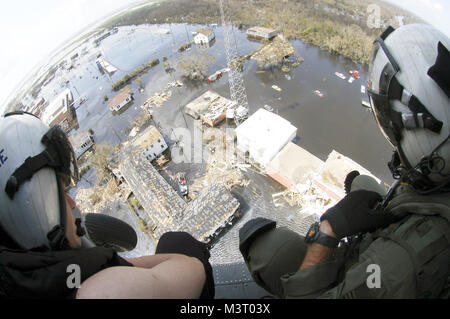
[[351, 79], [288, 77], [274, 53], [268, 108], [340, 75], [277, 88], [318, 93], [354, 73], [285, 69], [363, 89]]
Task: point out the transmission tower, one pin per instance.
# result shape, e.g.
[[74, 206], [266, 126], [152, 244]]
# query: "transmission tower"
[[235, 78]]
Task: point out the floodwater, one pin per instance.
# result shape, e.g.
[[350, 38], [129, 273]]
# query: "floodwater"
[[335, 121]]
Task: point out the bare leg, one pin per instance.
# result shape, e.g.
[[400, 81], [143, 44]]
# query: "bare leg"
[[164, 277]]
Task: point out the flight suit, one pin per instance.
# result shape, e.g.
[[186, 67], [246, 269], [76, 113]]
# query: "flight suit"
[[411, 256]]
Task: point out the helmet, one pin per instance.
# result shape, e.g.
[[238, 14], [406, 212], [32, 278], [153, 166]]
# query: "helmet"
[[34, 162], [409, 93]]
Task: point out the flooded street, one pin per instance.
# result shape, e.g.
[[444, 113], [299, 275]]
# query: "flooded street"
[[335, 121]]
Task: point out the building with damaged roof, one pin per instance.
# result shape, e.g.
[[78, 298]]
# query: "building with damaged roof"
[[209, 213], [151, 143], [203, 218], [210, 107]]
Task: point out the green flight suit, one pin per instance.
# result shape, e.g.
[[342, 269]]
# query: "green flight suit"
[[412, 256]]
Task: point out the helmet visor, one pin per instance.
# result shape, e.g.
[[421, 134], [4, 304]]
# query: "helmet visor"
[[382, 111]]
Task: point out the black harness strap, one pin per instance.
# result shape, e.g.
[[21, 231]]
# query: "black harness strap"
[[48, 158], [398, 92]]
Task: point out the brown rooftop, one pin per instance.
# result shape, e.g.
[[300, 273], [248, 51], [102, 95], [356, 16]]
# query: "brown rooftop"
[[119, 98], [148, 137], [205, 31]]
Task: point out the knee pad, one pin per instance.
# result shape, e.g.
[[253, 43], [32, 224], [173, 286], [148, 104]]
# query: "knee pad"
[[251, 230], [184, 244]]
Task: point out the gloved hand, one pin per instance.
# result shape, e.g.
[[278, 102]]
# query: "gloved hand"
[[356, 213]]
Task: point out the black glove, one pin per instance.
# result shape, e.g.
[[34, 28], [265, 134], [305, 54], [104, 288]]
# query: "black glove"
[[356, 213]]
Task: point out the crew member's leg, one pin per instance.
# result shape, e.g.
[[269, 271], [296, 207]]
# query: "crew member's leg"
[[273, 253], [184, 244]]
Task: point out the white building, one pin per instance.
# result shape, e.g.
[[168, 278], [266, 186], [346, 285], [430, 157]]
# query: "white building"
[[120, 100], [59, 111], [151, 143], [263, 135], [204, 36]]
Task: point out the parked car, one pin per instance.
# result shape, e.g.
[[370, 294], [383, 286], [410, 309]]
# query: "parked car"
[[182, 186]]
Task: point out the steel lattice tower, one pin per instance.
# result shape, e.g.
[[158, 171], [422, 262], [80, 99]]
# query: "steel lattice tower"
[[235, 78]]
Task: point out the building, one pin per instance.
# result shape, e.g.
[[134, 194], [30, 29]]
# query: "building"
[[160, 201], [104, 66], [292, 165], [101, 38], [60, 111], [204, 36], [210, 107], [151, 143], [120, 100], [263, 135], [262, 33], [209, 213], [204, 218], [81, 143], [334, 171]]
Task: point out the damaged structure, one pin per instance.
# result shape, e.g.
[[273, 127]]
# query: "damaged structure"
[[292, 165], [263, 135], [151, 143], [81, 143], [261, 33], [204, 217], [210, 108]]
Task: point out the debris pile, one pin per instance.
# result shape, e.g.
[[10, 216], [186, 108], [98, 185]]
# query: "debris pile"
[[306, 196], [274, 53], [95, 199], [160, 97], [222, 165]]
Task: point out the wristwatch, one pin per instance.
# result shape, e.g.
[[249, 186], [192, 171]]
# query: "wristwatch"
[[314, 235]]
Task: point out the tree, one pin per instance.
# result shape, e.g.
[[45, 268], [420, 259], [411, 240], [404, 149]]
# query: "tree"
[[99, 162], [195, 66]]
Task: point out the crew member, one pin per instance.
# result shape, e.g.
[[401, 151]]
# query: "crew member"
[[372, 244], [40, 237]]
